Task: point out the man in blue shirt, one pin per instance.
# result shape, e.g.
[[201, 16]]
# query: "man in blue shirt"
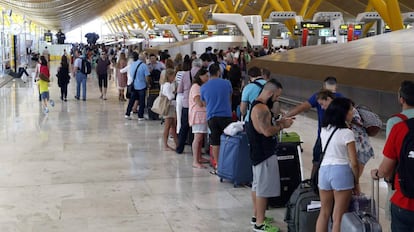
[[329, 83], [217, 94], [139, 76], [251, 91]]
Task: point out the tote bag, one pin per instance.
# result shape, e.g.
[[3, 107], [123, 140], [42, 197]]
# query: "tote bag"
[[161, 105]]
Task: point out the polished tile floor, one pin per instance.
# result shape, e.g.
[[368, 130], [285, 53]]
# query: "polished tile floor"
[[84, 168]]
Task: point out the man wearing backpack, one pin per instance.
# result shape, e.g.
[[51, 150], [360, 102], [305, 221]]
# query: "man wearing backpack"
[[399, 157], [251, 91], [80, 71]]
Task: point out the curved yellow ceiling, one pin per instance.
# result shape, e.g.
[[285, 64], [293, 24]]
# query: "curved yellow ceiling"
[[69, 14]]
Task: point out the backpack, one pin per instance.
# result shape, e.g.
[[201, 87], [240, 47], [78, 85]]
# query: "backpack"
[[370, 120], [86, 67], [406, 162], [155, 79], [297, 217], [258, 84]]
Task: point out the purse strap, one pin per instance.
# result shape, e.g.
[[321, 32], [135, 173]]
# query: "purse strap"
[[135, 73], [326, 146]]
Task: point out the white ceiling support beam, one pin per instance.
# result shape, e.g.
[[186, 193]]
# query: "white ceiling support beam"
[[140, 32], [172, 28], [241, 22]]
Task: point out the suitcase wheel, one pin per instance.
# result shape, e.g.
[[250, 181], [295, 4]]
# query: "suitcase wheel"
[[235, 185]]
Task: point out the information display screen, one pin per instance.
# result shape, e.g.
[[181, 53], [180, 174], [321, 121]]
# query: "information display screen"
[[357, 30], [324, 32]]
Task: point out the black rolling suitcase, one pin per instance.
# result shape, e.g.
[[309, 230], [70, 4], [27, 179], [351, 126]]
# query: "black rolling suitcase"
[[288, 153], [150, 101]]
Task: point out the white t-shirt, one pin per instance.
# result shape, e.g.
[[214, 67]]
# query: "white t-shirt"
[[337, 151], [77, 64], [168, 89]]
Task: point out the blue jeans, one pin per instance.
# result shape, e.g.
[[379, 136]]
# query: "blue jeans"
[[185, 127], [401, 219], [140, 96], [80, 81]]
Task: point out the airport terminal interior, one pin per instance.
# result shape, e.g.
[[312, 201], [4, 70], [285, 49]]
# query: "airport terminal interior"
[[84, 166]]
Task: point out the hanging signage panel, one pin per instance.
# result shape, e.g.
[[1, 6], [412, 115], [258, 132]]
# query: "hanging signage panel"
[[315, 25]]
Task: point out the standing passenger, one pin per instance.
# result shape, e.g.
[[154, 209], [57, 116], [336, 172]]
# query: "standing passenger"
[[338, 173], [168, 89], [102, 72], [80, 77], [362, 143], [329, 84], [122, 77], [262, 138], [184, 88], [399, 206], [197, 116], [63, 78], [217, 95], [139, 76]]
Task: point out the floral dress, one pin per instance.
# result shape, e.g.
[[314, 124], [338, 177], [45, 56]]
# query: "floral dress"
[[122, 77], [363, 145]]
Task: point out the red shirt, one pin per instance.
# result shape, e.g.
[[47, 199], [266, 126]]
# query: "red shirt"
[[392, 150], [45, 70]]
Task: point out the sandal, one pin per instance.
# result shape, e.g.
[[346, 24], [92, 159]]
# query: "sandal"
[[213, 172]]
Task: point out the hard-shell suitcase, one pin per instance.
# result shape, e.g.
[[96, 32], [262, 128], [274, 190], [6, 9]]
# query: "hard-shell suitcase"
[[297, 216], [288, 153], [360, 221], [234, 159]]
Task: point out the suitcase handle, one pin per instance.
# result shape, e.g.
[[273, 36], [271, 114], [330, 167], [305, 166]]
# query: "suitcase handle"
[[375, 198]]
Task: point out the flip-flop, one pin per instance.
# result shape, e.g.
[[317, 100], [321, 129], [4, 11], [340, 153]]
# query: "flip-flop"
[[199, 167], [204, 161]]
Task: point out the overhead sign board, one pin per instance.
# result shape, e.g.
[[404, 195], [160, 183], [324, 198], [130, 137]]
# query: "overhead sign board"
[[196, 26], [358, 27], [297, 31], [315, 25], [343, 29], [221, 26], [266, 27]]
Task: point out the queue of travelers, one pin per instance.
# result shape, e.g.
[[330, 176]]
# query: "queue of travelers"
[[206, 94]]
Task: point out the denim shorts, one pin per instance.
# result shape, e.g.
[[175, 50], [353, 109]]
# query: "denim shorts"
[[336, 177], [45, 95]]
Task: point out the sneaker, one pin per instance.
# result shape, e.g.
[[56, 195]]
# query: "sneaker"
[[46, 110], [52, 103], [141, 119], [265, 228], [76, 97], [267, 220], [128, 117]]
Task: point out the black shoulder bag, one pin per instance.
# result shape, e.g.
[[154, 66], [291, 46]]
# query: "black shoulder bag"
[[130, 87], [315, 176]]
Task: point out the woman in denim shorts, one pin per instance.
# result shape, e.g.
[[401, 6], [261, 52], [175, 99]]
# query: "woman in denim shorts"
[[338, 174]]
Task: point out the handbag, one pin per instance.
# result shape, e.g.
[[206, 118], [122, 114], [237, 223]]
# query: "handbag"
[[130, 87], [161, 105], [315, 176]]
